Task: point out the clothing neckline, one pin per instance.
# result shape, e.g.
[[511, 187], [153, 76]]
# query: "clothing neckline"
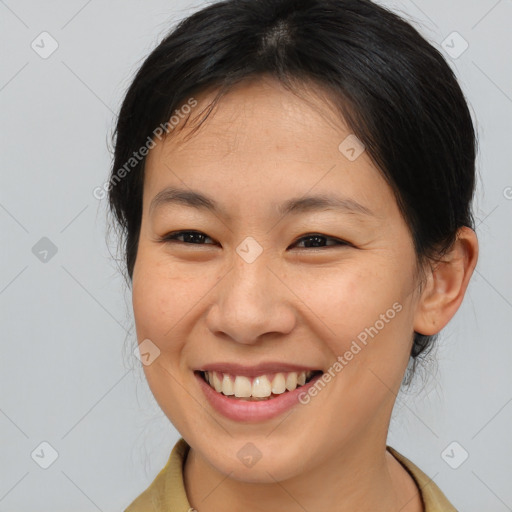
[[167, 491]]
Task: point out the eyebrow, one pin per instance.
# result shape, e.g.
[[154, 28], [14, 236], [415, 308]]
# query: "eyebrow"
[[303, 204]]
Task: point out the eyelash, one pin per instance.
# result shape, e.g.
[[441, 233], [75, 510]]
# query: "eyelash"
[[171, 237]]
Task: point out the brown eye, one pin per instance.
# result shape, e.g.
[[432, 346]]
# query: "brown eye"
[[189, 237], [319, 241], [312, 241]]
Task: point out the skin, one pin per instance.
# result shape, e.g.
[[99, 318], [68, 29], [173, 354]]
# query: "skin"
[[202, 303]]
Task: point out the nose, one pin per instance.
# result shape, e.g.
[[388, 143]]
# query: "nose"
[[251, 302]]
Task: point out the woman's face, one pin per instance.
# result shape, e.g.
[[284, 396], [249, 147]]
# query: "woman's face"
[[255, 286]]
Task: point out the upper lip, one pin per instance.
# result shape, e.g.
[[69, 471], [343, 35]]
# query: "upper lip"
[[255, 370]]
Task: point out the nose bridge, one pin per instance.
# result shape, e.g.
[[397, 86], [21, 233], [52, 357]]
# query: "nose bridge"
[[250, 301]]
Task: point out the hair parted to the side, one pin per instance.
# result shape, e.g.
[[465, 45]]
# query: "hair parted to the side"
[[395, 91]]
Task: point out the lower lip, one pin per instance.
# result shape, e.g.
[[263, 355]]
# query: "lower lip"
[[253, 411]]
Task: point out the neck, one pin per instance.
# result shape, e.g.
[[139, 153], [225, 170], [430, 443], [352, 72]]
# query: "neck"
[[363, 477]]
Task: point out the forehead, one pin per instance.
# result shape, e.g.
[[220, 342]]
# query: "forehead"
[[257, 111], [263, 139]]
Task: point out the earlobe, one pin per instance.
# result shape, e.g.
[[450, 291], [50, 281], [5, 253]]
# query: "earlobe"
[[446, 284]]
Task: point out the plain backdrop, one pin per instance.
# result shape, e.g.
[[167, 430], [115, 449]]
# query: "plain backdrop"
[[68, 376]]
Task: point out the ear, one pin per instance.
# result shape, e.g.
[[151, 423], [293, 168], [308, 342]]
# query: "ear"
[[446, 284]]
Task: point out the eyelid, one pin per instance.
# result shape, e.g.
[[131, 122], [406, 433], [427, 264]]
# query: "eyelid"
[[171, 237], [339, 241]]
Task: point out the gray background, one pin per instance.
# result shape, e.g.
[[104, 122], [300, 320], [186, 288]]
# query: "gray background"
[[68, 376]]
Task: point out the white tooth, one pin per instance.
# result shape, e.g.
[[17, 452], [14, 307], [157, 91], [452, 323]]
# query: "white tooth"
[[227, 385], [261, 387], [278, 384], [242, 387], [291, 381], [217, 382]]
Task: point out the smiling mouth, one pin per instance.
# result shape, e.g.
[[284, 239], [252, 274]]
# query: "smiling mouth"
[[262, 387]]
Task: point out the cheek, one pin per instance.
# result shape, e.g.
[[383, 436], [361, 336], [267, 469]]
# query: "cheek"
[[160, 299], [153, 299], [166, 297], [148, 308], [346, 300], [363, 316]]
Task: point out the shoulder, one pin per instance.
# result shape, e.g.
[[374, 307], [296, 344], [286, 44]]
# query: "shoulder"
[[433, 498], [167, 491]]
